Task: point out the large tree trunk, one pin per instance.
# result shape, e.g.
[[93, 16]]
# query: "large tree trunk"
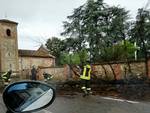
[[115, 77], [106, 75], [76, 73]]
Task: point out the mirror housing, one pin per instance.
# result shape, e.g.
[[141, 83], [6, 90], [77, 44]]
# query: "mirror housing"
[[28, 96]]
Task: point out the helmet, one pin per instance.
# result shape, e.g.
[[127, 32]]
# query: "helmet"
[[10, 71]]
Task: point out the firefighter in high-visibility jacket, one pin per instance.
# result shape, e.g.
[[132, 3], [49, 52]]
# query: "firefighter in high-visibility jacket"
[[85, 78], [6, 77]]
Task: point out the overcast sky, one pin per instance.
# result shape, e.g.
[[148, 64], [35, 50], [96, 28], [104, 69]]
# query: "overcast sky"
[[41, 19]]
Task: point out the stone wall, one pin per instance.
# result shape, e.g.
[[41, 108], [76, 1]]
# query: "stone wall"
[[121, 70], [103, 71], [58, 73], [28, 62], [8, 47]]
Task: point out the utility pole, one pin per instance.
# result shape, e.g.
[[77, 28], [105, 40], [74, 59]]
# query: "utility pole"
[[135, 53]]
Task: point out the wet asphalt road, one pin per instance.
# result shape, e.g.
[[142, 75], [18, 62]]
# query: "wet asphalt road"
[[91, 104]]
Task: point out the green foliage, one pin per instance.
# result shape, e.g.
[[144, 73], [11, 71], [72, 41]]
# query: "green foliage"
[[141, 31], [64, 58], [94, 29], [83, 54], [97, 24], [61, 49], [75, 58], [55, 47], [121, 51]]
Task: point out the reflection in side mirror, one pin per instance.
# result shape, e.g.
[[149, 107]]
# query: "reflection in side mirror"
[[27, 96]]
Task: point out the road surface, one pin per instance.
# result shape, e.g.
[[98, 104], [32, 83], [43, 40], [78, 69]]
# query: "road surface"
[[91, 104]]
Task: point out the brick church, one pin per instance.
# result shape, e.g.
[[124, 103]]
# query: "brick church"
[[17, 60]]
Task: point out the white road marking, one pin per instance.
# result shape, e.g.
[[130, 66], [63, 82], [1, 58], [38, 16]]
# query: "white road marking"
[[120, 100]]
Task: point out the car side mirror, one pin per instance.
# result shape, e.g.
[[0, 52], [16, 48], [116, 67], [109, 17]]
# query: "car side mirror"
[[28, 96]]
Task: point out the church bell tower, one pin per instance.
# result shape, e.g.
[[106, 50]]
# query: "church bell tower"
[[8, 46]]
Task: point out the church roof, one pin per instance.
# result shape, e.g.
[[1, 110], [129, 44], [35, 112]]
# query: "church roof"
[[7, 21], [41, 52]]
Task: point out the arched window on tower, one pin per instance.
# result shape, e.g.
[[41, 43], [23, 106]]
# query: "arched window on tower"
[[8, 32]]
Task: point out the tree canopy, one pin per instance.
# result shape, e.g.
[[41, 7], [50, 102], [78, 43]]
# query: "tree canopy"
[[101, 32]]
